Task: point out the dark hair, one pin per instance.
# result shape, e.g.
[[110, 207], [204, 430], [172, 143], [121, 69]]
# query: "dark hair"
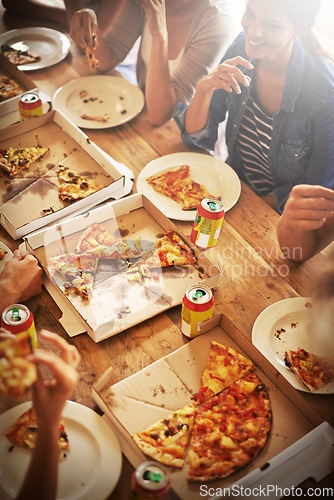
[[303, 14]]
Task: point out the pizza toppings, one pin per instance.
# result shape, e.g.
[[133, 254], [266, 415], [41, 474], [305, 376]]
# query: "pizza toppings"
[[17, 56], [24, 432], [8, 88], [74, 186], [313, 371], [3, 253], [100, 119], [17, 374], [89, 51], [13, 160], [176, 183]]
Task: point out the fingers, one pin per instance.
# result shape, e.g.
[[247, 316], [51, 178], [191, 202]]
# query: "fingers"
[[83, 25], [68, 353], [64, 374], [231, 76], [310, 191]]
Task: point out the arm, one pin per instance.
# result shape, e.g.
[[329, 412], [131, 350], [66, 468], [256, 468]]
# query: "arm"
[[306, 221], [107, 12], [21, 279], [49, 398]]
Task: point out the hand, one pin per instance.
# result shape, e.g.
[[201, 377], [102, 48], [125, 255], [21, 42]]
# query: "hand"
[[155, 11], [21, 278], [308, 207], [49, 396], [226, 76], [83, 26]]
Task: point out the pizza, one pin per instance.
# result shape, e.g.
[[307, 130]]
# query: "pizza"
[[8, 88], [224, 367], [24, 432], [312, 370], [17, 374], [166, 440], [100, 119], [229, 430], [3, 253], [17, 56], [94, 236], [226, 431], [13, 160], [78, 270], [89, 51], [74, 186], [176, 183], [169, 250]]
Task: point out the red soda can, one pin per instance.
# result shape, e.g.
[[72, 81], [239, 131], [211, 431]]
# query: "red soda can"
[[18, 320], [149, 481], [208, 221], [197, 306], [30, 105]]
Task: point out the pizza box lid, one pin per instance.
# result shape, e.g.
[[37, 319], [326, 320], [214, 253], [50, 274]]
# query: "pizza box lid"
[[30, 199], [297, 433], [9, 69], [108, 313]]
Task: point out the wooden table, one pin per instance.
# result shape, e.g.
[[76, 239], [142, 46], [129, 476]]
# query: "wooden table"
[[254, 273]]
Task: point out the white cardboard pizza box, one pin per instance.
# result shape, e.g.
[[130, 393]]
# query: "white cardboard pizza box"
[[30, 199], [117, 304], [299, 446], [26, 83]]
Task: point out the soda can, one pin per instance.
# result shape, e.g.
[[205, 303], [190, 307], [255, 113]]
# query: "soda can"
[[149, 481], [30, 105], [18, 320], [208, 221], [197, 306]]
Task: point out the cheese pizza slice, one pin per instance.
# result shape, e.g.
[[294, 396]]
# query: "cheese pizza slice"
[[312, 370], [74, 186], [166, 440], [89, 51], [17, 374], [17, 56], [224, 367], [12, 160]]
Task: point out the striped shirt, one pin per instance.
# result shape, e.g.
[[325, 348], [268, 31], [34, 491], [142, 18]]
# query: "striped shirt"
[[254, 139]]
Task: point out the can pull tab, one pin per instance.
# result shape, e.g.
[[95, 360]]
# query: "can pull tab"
[[16, 314], [213, 206], [199, 294], [153, 476]]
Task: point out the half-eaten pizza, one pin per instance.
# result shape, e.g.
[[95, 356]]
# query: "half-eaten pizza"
[[13, 160], [312, 370], [17, 56]]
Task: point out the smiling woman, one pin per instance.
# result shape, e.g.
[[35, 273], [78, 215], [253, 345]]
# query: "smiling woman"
[[277, 85]]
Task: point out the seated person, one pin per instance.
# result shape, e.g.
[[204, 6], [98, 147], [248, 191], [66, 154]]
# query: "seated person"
[[307, 223], [49, 398], [277, 86], [181, 41], [20, 279], [38, 9]]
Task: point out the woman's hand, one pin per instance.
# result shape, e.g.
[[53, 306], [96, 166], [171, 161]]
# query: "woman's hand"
[[83, 26], [308, 207], [155, 11], [226, 76], [50, 395]]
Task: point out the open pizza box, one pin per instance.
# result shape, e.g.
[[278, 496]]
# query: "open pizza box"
[[26, 84], [116, 302], [30, 199], [299, 446]]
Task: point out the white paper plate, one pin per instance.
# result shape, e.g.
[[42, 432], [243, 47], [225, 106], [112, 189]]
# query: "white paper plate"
[[7, 257], [50, 45], [91, 468], [218, 177], [112, 97], [293, 316]]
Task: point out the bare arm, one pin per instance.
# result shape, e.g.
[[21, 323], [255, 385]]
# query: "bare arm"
[[226, 76], [306, 221]]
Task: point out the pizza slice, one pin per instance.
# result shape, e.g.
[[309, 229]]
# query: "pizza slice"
[[312, 370], [89, 51], [224, 367], [3, 253], [8, 88], [24, 432], [12, 160], [229, 430], [94, 236], [193, 196], [166, 441], [74, 186], [17, 56], [172, 181], [78, 270], [170, 250], [17, 374]]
